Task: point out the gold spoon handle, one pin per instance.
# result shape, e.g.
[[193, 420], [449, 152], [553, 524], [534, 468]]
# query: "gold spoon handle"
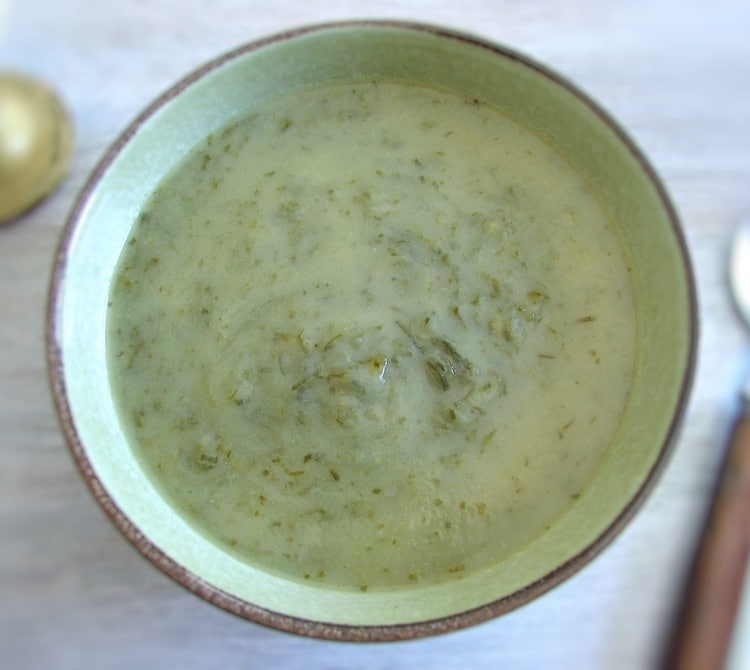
[[706, 618]]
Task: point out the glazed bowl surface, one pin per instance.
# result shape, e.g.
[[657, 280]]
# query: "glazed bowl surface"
[[227, 89]]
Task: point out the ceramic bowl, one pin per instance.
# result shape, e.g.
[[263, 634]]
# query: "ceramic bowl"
[[568, 120]]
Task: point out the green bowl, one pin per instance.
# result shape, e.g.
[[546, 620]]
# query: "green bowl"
[[207, 100]]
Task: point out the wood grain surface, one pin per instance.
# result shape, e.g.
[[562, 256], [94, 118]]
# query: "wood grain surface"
[[74, 594]]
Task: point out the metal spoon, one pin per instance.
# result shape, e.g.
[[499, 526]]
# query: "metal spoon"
[[706, 617], [36, 139]]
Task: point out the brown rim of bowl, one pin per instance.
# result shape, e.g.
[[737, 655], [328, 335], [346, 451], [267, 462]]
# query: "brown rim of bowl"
[[323, 629]]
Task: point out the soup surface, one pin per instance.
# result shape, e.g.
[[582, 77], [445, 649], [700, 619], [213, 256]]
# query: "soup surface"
[[371, 335]]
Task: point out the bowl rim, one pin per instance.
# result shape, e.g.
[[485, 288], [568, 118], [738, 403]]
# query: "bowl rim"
[[290, 623]]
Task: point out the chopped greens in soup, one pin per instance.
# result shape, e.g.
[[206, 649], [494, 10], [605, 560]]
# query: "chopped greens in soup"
[[372, 335]]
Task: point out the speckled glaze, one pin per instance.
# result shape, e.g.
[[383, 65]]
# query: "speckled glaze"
[[222, 90]]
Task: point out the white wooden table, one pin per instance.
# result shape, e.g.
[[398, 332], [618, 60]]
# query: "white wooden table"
[[74, 594]]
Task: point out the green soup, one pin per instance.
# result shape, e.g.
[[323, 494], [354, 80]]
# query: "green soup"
[[372, 335]]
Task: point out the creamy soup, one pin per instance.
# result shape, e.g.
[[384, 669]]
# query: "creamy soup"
[[372, 335]]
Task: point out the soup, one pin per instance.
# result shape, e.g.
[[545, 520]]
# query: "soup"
[[371, 335]]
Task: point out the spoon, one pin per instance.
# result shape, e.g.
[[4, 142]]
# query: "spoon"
[[36, 138], [706, 617]]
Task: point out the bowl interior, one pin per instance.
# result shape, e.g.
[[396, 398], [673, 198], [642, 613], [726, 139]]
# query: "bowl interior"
[[227, 89]]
